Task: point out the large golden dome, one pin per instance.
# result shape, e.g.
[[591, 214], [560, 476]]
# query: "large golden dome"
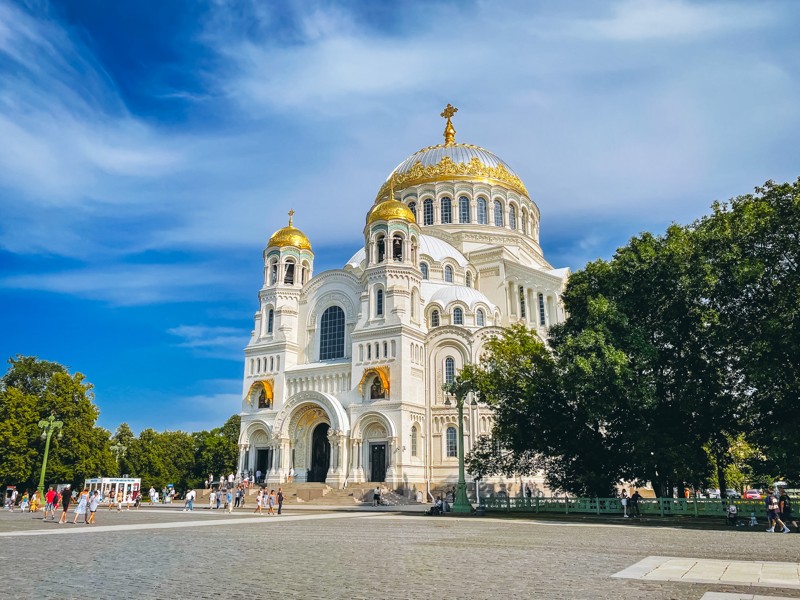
[[390, 209], [289, 236], [452, 162]]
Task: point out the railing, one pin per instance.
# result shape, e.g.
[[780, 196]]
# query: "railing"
[[663, 507]]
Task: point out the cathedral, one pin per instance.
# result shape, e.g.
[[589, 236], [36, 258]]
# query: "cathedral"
[[344, 369]]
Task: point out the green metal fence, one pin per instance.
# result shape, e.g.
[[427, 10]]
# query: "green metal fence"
[[663, 507]]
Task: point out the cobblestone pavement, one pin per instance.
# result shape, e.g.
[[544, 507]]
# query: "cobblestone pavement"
[[355, 555]]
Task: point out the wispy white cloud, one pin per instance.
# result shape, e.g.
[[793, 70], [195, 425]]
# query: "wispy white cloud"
[[131, 285], [215, 341], [318, 112], [642, 20]]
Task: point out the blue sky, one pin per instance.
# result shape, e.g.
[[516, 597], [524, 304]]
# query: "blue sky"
[[148, 150]]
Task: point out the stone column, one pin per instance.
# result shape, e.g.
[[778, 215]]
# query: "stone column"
[[393, 449], [243, 450]]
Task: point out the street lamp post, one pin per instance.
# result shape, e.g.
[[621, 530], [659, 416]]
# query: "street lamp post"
[[119, 451], [459, 389], [48, 426]]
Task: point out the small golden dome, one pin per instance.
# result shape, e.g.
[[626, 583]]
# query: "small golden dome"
[[390, 209], [289, 236]]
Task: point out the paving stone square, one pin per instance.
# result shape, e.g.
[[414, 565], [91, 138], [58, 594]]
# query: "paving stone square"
[[306, 554]]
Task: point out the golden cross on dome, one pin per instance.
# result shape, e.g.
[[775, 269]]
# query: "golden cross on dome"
[[449, 130], [291, 214]]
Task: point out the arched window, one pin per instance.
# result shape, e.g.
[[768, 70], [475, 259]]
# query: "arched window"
[[541, 310], [424, 268], [512, 217], [463, 209], [412, 206], [376, 390], [447, 210], [522, 311], [385, 350], [331, 334], [452, 446], [524, 222], [379, 303], [414, 440], [414, 303], [270, 320], [448, 274], [288, 273], [458, 316], [449, 369], [397, 248], [498, 213], [273, 272], [480, 319], [381, 249], [427, 212], [369, 351], [435, 318], [469, 279], [271, 363], [482, 220]]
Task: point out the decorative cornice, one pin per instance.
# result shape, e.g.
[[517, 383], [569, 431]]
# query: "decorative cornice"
[[446, 169]]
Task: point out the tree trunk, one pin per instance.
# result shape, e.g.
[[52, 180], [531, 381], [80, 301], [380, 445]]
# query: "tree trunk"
[[723, 483]]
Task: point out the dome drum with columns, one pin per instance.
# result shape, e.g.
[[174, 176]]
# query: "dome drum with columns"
[[344, 370]]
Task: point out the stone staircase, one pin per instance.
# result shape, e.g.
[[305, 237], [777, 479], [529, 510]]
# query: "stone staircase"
[[320, 494]]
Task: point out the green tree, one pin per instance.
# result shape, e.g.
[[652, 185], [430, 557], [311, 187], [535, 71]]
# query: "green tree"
[[217, 451], [36, 388], [751, 247]]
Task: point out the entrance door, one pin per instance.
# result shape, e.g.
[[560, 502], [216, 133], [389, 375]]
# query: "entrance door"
[[262, 461], [377, 460], [320, 453]]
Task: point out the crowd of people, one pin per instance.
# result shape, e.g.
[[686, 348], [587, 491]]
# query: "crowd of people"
[[269, 500], [85, 502]]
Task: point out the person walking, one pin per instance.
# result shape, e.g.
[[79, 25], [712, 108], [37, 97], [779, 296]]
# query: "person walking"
[[785, 506], [259, 500], [48, 503], [635, 504], [229, 500], [280, 500], [271, 501], [81, 508], [376, 496], [624, 501], [66, 498], [773, 513], [190, 500], [94, 502], [219, 497], [212, 499]]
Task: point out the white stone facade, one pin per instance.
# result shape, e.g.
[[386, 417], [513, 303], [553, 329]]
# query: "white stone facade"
[[344, 371]]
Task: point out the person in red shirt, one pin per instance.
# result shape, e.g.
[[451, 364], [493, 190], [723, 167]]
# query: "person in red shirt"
[[48, 506]]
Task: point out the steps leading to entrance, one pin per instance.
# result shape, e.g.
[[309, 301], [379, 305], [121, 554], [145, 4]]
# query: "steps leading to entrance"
[[320, 494]]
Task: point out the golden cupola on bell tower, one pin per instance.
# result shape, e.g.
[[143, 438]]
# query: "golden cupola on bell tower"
[[288, 258]]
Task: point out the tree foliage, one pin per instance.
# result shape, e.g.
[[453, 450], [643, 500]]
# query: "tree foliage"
[[31, 390], [676, 352]]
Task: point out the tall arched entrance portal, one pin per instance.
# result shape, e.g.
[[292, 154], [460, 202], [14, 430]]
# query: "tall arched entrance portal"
[[320, 453]]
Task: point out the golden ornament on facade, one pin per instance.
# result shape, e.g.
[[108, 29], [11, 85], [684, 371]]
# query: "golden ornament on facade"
[[447, 170], [289, 236], [381, 372]]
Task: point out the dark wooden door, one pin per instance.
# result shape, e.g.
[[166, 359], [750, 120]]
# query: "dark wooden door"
[[378, 462]]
